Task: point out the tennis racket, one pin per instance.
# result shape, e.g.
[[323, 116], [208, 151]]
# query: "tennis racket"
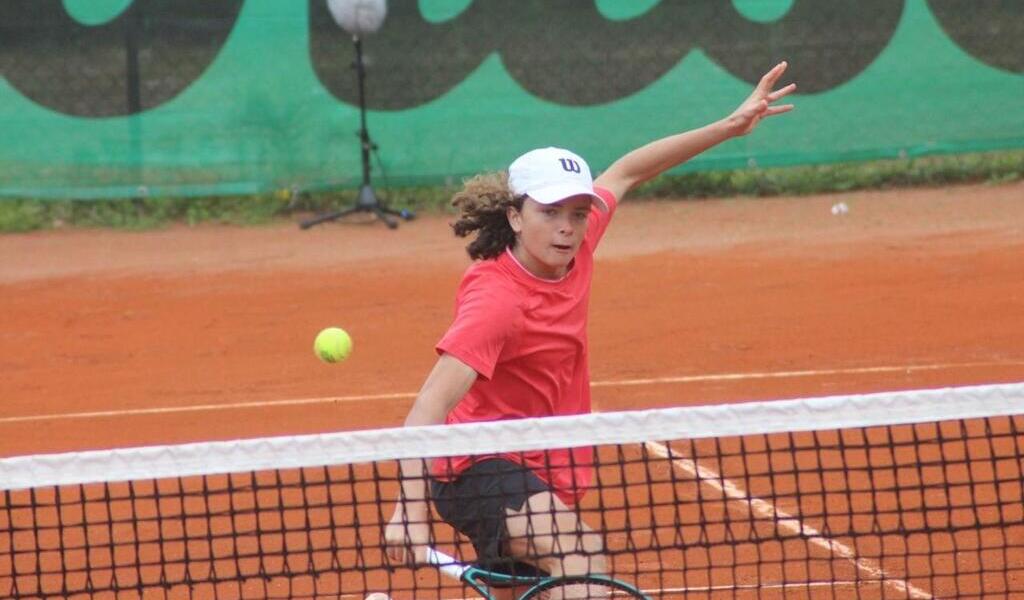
[[537, 587]]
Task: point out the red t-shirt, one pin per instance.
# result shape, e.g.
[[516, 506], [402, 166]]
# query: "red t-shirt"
[[526, 337]]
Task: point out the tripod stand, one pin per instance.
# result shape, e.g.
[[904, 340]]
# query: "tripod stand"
[[367, 200]]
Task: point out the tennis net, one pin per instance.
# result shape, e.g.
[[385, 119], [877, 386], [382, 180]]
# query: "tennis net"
[[898, 495]]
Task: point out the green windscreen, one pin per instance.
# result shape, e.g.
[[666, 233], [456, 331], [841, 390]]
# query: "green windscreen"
[[123, 98]]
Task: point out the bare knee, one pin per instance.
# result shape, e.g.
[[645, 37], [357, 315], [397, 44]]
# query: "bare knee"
[[551, 535]]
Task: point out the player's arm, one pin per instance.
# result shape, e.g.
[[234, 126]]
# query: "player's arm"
[[661, 155], [447, 383]]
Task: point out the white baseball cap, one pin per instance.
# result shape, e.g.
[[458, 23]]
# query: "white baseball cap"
[[550, 175]]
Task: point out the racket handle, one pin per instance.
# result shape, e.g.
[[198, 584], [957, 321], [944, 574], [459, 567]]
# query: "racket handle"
[[446, 564]]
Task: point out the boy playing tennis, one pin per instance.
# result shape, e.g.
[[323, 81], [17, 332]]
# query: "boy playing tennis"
[[518, 348]]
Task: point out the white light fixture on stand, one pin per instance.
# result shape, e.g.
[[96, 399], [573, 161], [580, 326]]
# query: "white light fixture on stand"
[[361, 18], [358, 17]]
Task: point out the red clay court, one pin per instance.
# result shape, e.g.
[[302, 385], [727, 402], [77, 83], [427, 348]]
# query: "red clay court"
[[119, 339]]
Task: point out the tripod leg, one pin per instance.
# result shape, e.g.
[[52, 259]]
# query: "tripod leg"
[[382, 214], [327, 217]]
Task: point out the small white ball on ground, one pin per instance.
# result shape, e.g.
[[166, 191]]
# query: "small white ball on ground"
[[378, 596], [840, 208]]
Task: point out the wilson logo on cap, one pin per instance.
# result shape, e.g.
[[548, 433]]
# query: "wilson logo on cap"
[[570, 165]]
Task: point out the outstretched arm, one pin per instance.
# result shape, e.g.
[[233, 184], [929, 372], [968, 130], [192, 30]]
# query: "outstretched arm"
[[657, 157]]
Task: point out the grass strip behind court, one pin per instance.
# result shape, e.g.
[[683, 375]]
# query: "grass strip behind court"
[[20, 215]]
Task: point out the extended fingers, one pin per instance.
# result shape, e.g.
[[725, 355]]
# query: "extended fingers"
[[772, 97], [769, 78], [778, 110]]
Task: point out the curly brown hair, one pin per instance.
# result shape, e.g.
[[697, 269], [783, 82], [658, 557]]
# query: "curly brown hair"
[[483, 203]]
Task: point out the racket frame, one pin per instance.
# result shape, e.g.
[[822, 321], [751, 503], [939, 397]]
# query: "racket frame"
[[478, 578]]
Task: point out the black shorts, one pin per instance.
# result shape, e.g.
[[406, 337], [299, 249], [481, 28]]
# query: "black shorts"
[[475, 504]]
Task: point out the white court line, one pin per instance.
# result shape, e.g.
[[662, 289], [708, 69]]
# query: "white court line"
[[756, 586], [596, 384], [131, 412], [808, 373], [764, 509]]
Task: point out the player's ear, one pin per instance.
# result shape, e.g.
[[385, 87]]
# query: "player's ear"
[[515, 218]]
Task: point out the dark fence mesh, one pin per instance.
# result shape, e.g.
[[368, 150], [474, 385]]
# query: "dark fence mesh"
[[190, 97]]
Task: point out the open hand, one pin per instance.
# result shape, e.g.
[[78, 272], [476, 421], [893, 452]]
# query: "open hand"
[[406, 540], [760, 104]]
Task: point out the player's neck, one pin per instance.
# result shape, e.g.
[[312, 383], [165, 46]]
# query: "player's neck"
[[537, 268]]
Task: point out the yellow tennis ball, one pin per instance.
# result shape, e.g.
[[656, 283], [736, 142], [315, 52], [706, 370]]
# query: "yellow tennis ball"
[[332, 345]]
